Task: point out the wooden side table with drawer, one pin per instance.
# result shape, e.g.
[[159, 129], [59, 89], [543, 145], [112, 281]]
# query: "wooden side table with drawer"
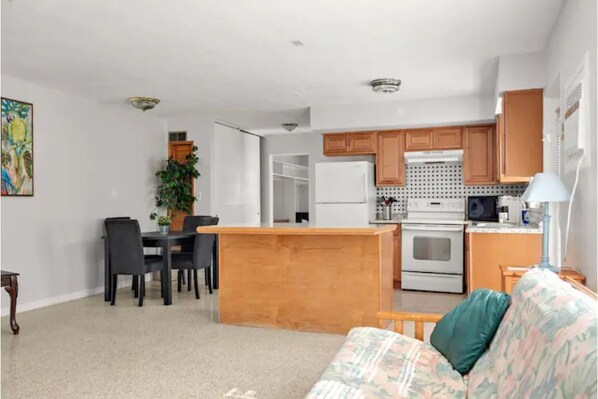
[[512, 274]]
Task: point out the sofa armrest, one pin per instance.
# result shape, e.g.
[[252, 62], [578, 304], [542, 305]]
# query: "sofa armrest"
[[418, 318]]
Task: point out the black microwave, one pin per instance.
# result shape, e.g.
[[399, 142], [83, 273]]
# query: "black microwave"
[[482, 208]]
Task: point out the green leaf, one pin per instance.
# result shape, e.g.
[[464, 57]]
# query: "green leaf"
[[28, 161]]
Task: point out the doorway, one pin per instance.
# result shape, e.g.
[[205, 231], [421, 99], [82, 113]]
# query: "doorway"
[[290, 188]]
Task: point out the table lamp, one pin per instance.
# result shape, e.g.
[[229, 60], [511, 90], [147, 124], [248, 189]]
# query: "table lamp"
[[546, 188]]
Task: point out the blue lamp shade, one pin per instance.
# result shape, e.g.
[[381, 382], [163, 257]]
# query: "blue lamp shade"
[[546, 187]]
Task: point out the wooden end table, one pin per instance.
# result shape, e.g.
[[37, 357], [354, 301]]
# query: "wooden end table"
[[511, 275], [10, 281]]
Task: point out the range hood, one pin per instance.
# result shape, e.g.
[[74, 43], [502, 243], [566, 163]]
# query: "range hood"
[[422, 157]]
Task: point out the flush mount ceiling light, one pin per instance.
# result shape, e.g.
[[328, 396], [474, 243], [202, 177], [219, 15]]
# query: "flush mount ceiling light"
[[385, 85], [143, 103], [289, 127]]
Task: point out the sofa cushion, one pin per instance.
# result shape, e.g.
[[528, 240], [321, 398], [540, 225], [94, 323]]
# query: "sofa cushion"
[[545, 346], [464, 333], [374, 363]]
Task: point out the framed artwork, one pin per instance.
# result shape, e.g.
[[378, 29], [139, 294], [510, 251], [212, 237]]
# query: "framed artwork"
[[17, 148]]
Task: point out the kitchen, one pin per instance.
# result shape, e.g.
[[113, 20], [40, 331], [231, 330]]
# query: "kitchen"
[[454, 191]]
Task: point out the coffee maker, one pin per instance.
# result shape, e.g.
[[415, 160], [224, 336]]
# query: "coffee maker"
[[509, 209]]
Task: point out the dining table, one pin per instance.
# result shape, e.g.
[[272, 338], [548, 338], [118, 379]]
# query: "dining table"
[[165, 241]]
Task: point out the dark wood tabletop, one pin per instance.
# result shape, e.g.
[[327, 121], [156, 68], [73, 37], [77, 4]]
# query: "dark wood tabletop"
[[8, 274], [172, 235]]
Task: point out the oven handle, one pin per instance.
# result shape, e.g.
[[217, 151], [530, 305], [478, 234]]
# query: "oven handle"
[[431, 227]]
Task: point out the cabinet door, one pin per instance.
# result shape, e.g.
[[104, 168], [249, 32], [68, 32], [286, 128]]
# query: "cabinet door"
[[390, 159], [478, 155], [362, 143], [396, 257], [418, 140], [447, 138], [335, 144], [522, 135]]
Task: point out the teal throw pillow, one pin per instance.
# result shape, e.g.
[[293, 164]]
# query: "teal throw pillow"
[[464, 333]]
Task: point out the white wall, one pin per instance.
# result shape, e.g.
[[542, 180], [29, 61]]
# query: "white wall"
[[307, 143], [395, 114], [574, 34], [236, 176], [92, 161], [200, 130], [521, 71]]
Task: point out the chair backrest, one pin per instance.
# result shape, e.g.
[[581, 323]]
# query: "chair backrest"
[[545, 345], [191, 223], [203, 250], [125, 246]]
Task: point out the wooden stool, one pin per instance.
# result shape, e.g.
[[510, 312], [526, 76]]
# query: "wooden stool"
[[10, 281]]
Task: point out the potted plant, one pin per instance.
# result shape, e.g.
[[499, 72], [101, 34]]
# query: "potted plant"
[[174, 188], [164, 224], [386, 203]]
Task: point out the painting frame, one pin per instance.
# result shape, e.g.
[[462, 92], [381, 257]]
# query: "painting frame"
[[28, 144]]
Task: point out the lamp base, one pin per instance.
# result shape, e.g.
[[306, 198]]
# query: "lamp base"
[[548, 266]]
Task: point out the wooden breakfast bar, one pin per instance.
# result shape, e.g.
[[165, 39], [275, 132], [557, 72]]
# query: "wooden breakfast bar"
[[302, 277]]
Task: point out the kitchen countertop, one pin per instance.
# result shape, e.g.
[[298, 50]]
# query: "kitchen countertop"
[[294, 229], [504, 228]]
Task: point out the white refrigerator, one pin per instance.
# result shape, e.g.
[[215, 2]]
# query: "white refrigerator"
[[345, 194]]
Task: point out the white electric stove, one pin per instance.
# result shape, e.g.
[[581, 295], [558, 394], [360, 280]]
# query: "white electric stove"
[[432, 245]]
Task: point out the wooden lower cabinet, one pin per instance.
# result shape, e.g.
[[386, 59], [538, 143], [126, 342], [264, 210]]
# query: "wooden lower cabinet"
[[390, 159], [486, 252], [479, 155], [396, 257]]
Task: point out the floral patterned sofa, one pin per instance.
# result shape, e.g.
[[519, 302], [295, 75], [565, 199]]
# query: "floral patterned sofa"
[[545, 347]]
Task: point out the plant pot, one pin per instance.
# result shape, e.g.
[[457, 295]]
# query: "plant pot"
[[164, 229], [386, 212]]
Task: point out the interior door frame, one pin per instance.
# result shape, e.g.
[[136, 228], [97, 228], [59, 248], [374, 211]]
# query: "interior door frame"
[[270, 220]]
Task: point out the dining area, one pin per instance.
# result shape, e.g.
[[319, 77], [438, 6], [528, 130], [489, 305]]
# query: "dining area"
[[130, 252]]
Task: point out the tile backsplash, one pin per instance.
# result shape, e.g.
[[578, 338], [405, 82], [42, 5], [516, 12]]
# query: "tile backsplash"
[[440, 181]]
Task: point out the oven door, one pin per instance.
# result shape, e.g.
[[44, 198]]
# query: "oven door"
[[432, 248]]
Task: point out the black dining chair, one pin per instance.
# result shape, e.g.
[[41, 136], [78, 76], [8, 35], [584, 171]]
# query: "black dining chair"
[[125, 249], [134, 283], [197, 254], [190, 224]]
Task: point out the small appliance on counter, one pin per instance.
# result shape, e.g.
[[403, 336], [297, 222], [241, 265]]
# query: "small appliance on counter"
[[510, 208], [482, 208]]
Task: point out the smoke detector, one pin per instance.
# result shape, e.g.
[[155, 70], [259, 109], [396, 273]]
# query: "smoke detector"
[[385, 85], [289, 127]]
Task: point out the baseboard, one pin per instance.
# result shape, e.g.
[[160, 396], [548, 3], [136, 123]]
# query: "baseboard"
[[42, 303]]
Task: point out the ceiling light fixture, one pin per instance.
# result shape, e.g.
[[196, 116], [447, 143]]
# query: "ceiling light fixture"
[[289, 127], [297, 43], [143, 103], [385, 85]]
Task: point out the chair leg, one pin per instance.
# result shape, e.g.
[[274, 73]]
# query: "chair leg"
[[189, 280], [195, 283], [206, 275], [141, 289], [135, 285], [209, 277], [114, 280], [183, 277], [179, 280], [161, 284]]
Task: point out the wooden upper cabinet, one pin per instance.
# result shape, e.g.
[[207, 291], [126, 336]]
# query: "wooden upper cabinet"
[[478, 155], [390, 159], [447, 138], [360, 143], [520, 135], [335, 144], [418, 140]]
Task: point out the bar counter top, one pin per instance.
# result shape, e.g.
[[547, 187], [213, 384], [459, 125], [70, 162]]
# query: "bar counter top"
[[295, 229]]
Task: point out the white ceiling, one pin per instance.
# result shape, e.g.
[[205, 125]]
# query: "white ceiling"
[[226, 56]]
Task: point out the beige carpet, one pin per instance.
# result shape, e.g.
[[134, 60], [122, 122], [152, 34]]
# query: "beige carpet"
[[88, 349]]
